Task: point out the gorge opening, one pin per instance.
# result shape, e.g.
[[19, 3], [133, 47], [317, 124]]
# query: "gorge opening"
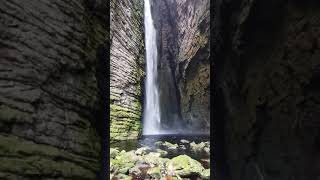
[[160, 82]]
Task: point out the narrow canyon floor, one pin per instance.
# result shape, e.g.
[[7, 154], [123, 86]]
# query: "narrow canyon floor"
[[161, 157]]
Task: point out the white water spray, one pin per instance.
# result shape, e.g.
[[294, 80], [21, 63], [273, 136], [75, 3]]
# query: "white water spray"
[[152, 120]]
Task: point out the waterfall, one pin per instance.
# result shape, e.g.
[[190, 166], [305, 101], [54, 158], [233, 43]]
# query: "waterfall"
[[152, 120]]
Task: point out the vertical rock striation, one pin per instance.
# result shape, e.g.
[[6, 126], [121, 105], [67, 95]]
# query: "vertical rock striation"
[[48, 89], [164, 14], [268, 80], [126, 68], [183, 32], [193, 65]]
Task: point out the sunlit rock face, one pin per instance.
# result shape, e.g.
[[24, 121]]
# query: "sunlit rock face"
[[267, 67], [126, 68], [48, 89], [183, 37]]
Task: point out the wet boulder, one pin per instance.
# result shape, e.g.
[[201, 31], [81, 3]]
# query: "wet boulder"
[[154, 159], [184, 141], [155, 172], [185, 166], [143, 150], [139, 171], [124, 161], [114, 152], [163, 153], [202, 148], [205, 174]]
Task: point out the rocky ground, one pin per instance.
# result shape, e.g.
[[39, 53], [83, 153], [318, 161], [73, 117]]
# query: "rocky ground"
[[164, 160]]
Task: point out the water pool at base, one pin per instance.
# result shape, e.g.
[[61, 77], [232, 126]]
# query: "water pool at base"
[[183, 142]]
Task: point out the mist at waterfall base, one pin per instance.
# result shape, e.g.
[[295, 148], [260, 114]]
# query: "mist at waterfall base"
[[152, 122]]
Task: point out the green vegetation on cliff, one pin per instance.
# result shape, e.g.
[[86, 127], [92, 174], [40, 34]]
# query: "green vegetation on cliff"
[[126, 66]]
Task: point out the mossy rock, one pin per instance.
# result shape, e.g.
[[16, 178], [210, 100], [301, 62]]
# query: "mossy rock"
[[205, 174], [142, 151], [185, 166], [207, 150], [124, 161], [170, 145], [166, 145], [35, 158], [197, 148], [125, 170], [113, 152], [155, 172], [154, 159], [158, 143], [123, 177], [162, 152], [125, 122]]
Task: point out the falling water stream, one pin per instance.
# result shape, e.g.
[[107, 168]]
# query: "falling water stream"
[[152, 119], [155, 131], [152, 124]]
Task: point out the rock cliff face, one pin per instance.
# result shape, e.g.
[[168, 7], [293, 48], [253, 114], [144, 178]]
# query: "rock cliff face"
[[267, 88], [48, 89], [193, 65], [126, 68], [165, 18], [183, 33]]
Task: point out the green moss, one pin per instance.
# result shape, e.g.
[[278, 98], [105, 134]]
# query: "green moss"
[[185, 165], [155, 172], [126, 121], [113, 97], [205, 174], [24, 157], [123, 112], [123, 176], [124, 161], [113, 152], [137, 105]]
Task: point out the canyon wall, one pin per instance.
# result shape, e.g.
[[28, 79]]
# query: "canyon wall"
[[126, 68], [183, 33], [164, 15], [49, 98], [193, 65], [267, 73]]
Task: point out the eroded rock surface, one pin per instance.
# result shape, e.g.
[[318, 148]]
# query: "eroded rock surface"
[[49, 100], [126, 68], [183, 33], [193, 65]]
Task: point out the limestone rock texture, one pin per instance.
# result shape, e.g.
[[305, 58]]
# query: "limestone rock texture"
[[183, 36], [126, 68], [267, 73], [193, 65], [49, 98]]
